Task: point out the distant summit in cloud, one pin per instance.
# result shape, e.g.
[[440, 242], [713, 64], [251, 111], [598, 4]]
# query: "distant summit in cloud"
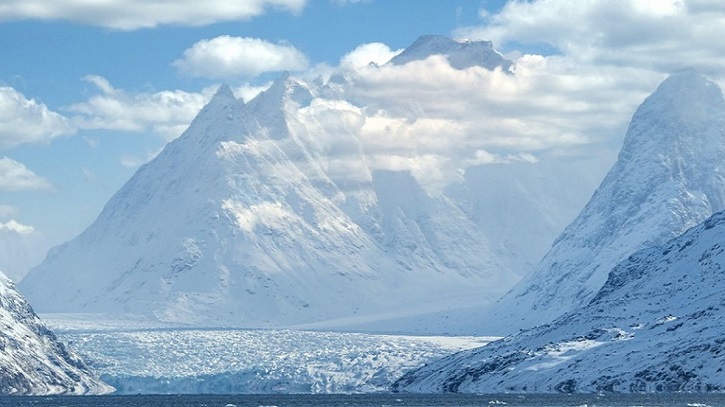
[[461, 54]]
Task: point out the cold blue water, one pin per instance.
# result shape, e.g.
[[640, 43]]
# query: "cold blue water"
[[375, 400]]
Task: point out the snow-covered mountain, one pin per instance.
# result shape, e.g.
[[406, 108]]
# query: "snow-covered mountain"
[[656, 325], [461, 54], [243, 222], [32, 360], [269, 213], [669, 176]]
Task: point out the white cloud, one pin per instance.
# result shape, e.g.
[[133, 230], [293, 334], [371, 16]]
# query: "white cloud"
[[135, 14], [546, 104], [431, 119], [663, 35], [248, 92], [24, 120], [21, 247], [15, 176], [16, 227], [365, 54], [232, 57], [165, 113]]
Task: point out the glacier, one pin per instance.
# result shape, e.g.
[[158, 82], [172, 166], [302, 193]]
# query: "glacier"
[[137, 357], [32, 360]]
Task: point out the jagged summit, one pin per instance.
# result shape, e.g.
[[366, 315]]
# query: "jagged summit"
[[669, 176], [242, 221], [32, 360], [461, 54], [224, 92], [684, 99]]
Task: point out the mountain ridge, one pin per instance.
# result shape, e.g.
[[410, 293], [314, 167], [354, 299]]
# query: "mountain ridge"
[[655, 326], [238, 218], [668, 178]]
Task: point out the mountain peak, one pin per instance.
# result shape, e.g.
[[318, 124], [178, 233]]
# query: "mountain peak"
[[269, 106], [667, 178], [687, 91], [224, 92], [461, 54], [682, 108]]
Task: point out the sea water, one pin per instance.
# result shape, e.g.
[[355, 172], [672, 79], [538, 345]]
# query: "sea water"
[[371, 400]]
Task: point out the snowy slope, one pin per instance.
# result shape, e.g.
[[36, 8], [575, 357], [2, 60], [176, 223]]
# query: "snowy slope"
[[461, 54], [32, 360], [242, 222], [522, 207], [668, 177], [656, 325], [257, 209]]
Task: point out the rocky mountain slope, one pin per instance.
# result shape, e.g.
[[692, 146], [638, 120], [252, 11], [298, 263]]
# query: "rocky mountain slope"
[[655, 326], [32, 360], [669, 176]]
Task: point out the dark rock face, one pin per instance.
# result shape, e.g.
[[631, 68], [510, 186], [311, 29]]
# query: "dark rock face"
[[32, 360]]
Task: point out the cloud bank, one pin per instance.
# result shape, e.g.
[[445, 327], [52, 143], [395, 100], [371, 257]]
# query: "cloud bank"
[[15, 176], [226, 57], [365, 54], [135, 14], [164, 113], [435, 119], [24, 120], [661, 35], [16, 227]]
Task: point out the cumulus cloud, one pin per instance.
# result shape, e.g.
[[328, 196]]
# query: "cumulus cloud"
[[24, 120], [434, 119], [22, 246], [663, 35], [165, 113], [16, 227], [135, 14], [15, 176], [365, 54], [248, 92], [232, 57], [576, 101]]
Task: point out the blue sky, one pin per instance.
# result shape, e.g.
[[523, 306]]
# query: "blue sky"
[[91, 90]]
